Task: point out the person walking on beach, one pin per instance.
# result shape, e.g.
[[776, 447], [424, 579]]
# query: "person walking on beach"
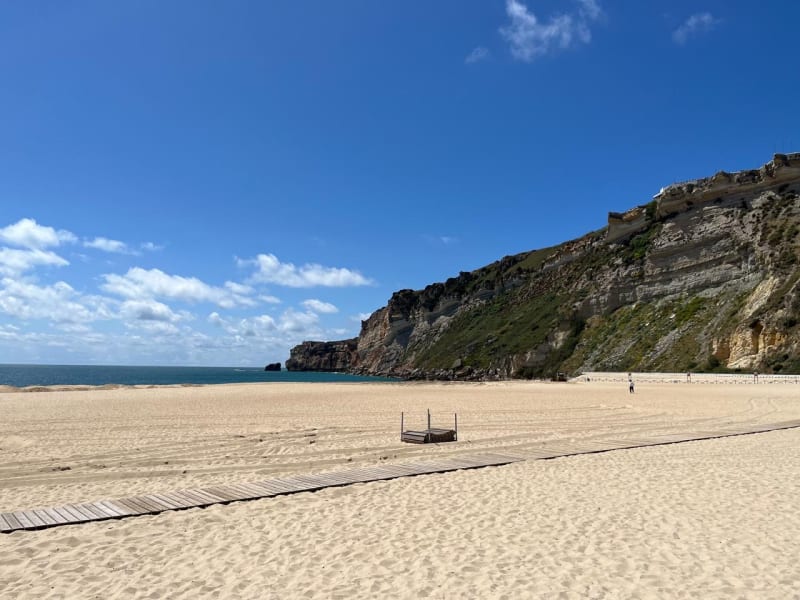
[[630, 383], [689, 377]]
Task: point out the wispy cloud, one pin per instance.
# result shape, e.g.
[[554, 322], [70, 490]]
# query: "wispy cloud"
[[272, 270], [107, 245], [437, 240], [318, 306], [477, 55], [530, 39], [693, 26], [140, 283]]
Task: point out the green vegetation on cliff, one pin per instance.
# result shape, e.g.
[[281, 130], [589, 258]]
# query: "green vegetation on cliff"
[[706, 277]]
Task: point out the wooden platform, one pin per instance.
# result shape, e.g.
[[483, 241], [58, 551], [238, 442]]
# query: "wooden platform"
[[429, 436], [150, 504]]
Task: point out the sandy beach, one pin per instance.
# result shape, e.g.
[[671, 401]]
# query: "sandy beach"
[[706, 519]]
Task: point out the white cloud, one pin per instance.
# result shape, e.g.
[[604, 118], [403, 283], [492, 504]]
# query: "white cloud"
[[590, 9], [107, 245], [258, 326], [694, 25], [140, 283], [295, 322], [238, 288], [58, 303], [147, 310], [27, 233], [531, 39], [361, 317], [154, 327], [269, 299], [272, 270], [477, 55], [319, 307], [151, 247], [14, 261]]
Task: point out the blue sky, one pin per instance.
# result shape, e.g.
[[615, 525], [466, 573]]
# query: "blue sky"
[[207, 183]]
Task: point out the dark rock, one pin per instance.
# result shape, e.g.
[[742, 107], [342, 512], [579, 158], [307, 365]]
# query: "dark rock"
[[324, 356], [273, 367]]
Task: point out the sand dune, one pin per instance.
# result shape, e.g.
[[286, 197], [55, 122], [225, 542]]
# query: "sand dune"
[[703, 519]]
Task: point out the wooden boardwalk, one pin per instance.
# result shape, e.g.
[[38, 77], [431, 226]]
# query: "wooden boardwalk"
[[150, 504]]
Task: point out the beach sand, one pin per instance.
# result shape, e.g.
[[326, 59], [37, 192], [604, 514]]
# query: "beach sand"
[[706, 519]]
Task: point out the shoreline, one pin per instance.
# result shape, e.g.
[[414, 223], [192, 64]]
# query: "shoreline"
[[592, 377]]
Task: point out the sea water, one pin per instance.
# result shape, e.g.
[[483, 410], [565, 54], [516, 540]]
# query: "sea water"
[[34, 375]]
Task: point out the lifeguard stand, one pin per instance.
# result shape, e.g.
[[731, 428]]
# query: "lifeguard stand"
[[431, 435]]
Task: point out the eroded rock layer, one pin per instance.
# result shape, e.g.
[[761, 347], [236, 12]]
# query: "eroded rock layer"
[[704, 277]]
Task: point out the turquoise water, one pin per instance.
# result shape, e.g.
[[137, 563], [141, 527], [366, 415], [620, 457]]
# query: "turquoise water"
[[26, 375]]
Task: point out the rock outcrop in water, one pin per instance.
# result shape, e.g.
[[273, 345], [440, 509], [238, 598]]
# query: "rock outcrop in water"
[[324, 356], [703, 277]]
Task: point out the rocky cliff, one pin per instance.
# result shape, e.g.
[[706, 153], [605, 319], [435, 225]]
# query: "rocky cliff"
[[703, 277], [323, 356]]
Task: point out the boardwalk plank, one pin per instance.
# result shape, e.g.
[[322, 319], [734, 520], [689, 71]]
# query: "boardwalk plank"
[[5, 526], [287, 485], [12, 521], [259, 488], [45, 517], [248, 489], [329, 479], [171, 499], [84, 514], [65, 516], [121, 511], [23, 519], [210, 496], [398, 470], [91, 508], [305, 484], [226, 492], [70, 516], [153, 506], [166, 501], [159, 503], [194, 500], [188, 501], [132, 505], [56, 516], [202, 498], [131, 508], [34, 518], [106, 512]]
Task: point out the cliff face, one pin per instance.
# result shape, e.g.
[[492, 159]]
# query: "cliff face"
[[323, 356], [703, 277]]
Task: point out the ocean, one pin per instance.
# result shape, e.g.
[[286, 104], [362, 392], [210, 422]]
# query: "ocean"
[[34, 375]]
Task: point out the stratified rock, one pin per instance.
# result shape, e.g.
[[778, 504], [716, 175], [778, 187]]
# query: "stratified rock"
[[706, 275], [323, 356]]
